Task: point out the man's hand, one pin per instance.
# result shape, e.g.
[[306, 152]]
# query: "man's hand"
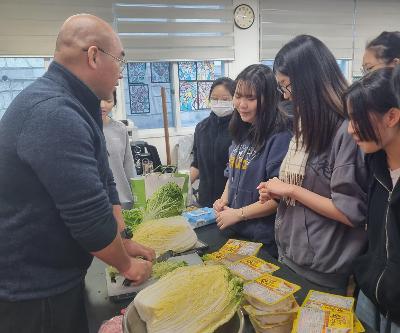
[[135, 249], [139, 271]]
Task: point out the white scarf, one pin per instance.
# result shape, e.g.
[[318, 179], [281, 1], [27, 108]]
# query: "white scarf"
[[293, 167]]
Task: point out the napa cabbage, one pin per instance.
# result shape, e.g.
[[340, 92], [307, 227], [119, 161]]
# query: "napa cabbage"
[[167, 201], [196, 299], [172, 233]]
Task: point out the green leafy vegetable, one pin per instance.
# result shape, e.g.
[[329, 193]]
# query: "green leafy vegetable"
[[164, 267], [133, 217], [167, 201]]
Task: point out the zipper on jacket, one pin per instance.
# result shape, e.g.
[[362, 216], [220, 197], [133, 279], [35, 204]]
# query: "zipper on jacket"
[[387, 238]]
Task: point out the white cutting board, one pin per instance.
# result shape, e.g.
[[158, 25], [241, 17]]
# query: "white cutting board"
[[117, 291]]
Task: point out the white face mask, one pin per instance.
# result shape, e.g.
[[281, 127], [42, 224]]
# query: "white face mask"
[[221, 108]]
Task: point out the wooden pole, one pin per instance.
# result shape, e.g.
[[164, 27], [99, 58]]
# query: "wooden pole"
[[165, 119]]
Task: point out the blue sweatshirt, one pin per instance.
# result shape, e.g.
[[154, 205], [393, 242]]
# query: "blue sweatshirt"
[[247, 169], [56, 188]]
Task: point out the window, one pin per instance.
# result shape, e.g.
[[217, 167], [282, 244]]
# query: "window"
[[15, 75], [142, 91], [195, 80]]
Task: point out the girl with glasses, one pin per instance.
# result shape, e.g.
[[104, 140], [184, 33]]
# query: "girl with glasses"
[[382, 51], [321, 185], [375, 126], [260, 141]]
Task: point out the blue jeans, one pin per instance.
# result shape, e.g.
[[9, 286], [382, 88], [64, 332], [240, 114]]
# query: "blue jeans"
[[368, 313]]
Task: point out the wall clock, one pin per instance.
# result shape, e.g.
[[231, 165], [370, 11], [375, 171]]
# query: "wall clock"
[[243, 16]]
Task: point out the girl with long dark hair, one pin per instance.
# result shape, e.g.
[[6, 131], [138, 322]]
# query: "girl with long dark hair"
[[322, 180], [260, 141]]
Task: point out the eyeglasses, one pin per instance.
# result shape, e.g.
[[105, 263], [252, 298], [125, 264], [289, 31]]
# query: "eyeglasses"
[[284, 89], [122, 62]]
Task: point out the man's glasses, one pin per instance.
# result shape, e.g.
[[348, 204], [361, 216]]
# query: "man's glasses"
[[284, 89], [122, 62]]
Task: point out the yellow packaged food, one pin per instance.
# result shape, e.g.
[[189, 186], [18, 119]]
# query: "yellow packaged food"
[[317, 299], [314, 320], [235, 249], [272, 317], [358, 327], [269, 290], [250, 268], [284, 327]]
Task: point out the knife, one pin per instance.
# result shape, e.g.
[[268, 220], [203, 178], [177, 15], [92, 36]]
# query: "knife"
[[162, 257]]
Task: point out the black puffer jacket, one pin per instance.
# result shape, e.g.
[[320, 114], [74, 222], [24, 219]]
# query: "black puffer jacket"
[[210, 156], [378, 271]]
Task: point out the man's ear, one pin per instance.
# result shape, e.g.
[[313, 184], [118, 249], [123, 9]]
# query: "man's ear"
[[92, 55]]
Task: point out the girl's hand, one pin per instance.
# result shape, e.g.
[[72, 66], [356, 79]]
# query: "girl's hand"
[[277, 189], [262, 191], [228, 217], [219, 205]]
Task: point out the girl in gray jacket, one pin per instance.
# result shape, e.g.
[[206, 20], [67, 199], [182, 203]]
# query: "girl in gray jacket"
[[319, 227]]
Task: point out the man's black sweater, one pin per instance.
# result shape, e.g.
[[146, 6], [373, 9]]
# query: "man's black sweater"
[[56, 188]]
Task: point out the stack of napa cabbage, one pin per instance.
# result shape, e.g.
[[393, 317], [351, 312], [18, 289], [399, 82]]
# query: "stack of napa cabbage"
[[190, 299], [171, 233]]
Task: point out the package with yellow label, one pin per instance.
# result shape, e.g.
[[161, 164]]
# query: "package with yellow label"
[[314, 320], [268, 290], [233, 250], [250, 268], [272, 317], [322, 312], [317, 299]]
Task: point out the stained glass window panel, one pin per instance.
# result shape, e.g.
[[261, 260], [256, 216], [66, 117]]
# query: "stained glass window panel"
[[160, 72], [204, 92], [206, 70], [187, 71], [188, 96], [136, 72], [139, 98]]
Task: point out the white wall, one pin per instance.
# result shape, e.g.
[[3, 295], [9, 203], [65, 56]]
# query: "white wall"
[[246, 53]]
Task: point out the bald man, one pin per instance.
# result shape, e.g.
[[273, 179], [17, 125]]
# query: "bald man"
[[58, 200]]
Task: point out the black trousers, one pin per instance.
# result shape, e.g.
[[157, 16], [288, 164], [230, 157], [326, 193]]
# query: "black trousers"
[[64, 313]]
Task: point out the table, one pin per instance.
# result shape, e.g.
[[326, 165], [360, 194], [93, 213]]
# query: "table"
[[99, 308]]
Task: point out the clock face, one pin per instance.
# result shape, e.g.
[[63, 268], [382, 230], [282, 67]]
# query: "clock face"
[[243, 16]]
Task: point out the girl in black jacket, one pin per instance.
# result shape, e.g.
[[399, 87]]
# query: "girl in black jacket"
[[375, 126]]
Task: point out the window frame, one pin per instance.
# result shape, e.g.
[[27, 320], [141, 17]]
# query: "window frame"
[[178, 129]]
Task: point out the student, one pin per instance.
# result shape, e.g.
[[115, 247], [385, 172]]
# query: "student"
[[319, 223], [119, 152], [382, 51], [211, 143], [375, 127], [260, 141]]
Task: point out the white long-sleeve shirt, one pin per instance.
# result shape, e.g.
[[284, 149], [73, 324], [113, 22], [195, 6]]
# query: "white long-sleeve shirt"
[[120, 159]]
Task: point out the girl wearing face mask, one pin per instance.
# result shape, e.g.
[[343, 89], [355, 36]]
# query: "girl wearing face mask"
[[260, 141], [119, 152], [383, 51], [319, 224], [375, 126], [211, 143]]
